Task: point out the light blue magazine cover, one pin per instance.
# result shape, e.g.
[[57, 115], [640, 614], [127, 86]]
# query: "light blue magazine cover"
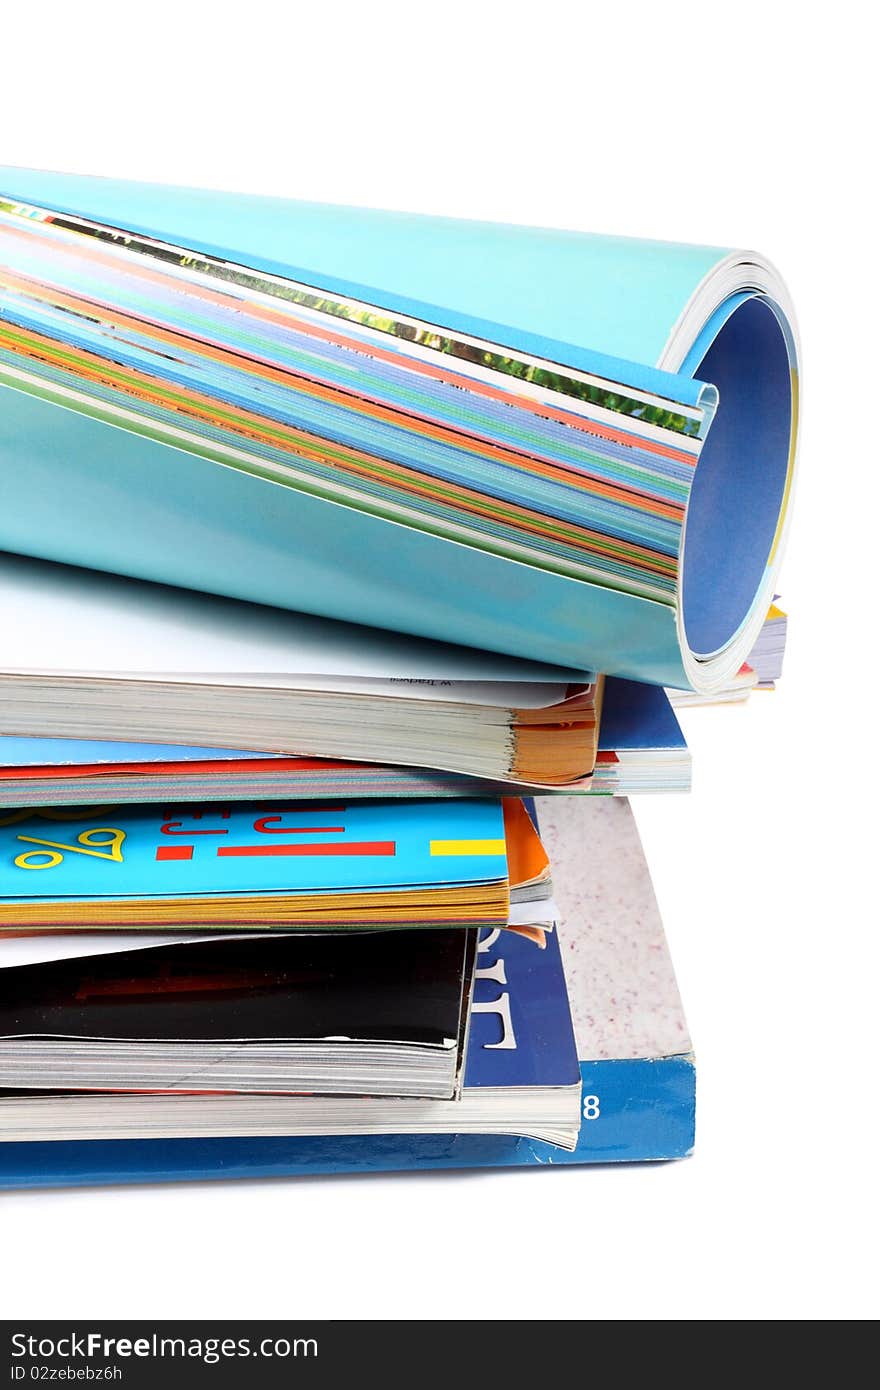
[[145, 852]]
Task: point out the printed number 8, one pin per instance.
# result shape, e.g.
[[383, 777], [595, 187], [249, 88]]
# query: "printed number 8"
[[591, 1108]]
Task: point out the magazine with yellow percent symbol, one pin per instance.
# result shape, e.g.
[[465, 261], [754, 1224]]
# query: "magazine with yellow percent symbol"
[[423, 863]]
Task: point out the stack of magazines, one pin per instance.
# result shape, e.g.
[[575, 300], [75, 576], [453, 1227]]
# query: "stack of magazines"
[[350, 586]]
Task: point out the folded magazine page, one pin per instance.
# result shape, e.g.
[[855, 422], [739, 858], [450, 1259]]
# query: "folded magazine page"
[[578, 1053], [348, 412]]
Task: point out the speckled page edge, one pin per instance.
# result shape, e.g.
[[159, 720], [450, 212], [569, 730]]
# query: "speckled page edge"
[[622, 988]]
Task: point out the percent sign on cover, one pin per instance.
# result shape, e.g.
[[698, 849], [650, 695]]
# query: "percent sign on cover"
[[52, 852]]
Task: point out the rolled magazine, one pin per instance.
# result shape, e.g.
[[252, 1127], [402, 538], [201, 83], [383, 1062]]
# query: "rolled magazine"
[[575, 449]]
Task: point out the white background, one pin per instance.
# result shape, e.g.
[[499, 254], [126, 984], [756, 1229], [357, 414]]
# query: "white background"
[[744, 125]]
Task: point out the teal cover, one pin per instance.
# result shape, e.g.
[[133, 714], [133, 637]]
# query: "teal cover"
[[641, 314]]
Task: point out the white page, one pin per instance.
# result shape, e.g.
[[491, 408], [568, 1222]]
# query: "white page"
[[39, 949], [63, 620]]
